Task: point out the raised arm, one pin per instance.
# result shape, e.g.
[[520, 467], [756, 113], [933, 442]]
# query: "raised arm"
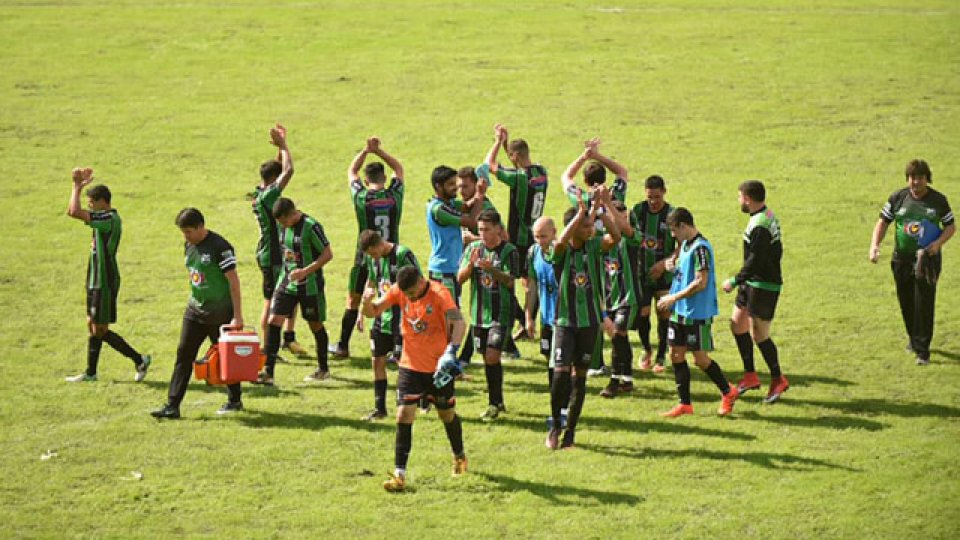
[[353, 171], [499, 139], [612, 236], [569, 176], [560, 245], [278, 137], [616, 168], [475, 205], [373, 144], [81, 179]]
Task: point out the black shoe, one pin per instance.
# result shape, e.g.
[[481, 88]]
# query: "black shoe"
[[231, 407], [568, 436], [167, 411]]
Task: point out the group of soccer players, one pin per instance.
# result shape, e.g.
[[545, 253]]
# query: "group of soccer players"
[[599, 274]]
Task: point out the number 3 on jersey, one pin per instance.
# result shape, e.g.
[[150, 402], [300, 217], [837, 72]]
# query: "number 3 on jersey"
[[382, 223]]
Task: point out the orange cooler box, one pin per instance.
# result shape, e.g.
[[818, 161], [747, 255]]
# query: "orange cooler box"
[[239, 352]]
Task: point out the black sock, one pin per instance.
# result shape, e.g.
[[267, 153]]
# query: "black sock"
[[494, 383], [559, 394], [346, 327], [624, 355], [455, 435], [716, 375], [681, 374], [272, 346], [93, 354], [509, 346], [577, 398], [321, 337], [644, 333], [549, 377], [770, 356], [380, 395], [662, 326], [745, 344], [289, 336], [403, 445], [121, 346], [467, 351]]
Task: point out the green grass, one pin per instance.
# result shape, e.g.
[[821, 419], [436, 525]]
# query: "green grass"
[[171, 102]]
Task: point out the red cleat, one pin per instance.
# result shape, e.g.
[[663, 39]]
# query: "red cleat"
[[750, 381], [680, 410], [726, 403], [777, 387]]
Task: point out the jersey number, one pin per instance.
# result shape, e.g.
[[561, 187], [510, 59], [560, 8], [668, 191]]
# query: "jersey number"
[[383, 223], [536, 209]]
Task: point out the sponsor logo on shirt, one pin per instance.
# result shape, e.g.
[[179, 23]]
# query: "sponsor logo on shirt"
[[197, 279]]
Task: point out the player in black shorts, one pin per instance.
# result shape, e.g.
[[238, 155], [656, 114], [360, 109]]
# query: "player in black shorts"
[[759, 282], [103, 276]]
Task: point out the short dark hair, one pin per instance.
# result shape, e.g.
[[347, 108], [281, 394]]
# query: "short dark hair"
[[99, 192], [569, 215], [468, 172], [369, 239], [753, 189], [270, 170], [519, 146], [440, 175], [490, 216], [679, 216], [189, 218], [654, 181], [407, 277], [375, 173], [283, 207], [918, 168], [594, 174]]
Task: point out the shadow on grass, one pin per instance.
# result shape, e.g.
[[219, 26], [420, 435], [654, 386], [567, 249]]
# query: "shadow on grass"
[[315, 422], [873, 407], [949, 355], [830, 422], [557, 494], [199, 386], [523, 421], [607, 423], [768, 460]]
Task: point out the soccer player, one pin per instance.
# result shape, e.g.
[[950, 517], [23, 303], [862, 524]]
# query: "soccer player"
[[620, 265], [693, 304], [528, 196], [544, 295], [656, 246], [432, 328], [578, 257], [924, 223], [445, 217], [215, 301], [103, 275], [759, 281], [305, 252], [275, 174], [383, 259], [378, 207], [491, 265]]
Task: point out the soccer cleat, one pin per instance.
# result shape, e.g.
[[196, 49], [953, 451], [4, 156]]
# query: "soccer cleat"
[[626, 387], [459, 465], [553, 439], [647, 362], [922, 361], [374, 415], [318, 375], [658, 367], [600, 371], [750, 381], [493, 412], [727, 401], [230, 407], [680, 410], [567, 443], [396, 484], [295, 348], [264, 379], [777, 387], [142, 368], [610, 391], [167, 411], [338, 351], [83, 377]]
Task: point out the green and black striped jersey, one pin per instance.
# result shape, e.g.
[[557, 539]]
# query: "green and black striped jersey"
[[490, 301], [620, 267], [528, 195], [379, 209], [656, 242], [268, 246], [580, 281], [102, 271], [302, 244], [383, 272]]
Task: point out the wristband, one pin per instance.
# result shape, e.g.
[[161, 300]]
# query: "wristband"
[[732, 282], [452, 348], [603, 315]]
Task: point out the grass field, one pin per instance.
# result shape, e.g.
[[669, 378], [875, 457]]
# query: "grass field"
[[170, 103]]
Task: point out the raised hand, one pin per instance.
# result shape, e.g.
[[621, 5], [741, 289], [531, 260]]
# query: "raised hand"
[[373, 145], [592, 147], [278, 136]]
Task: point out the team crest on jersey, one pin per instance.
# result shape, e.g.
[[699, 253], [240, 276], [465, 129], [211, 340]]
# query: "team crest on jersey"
[[486, 280], [417, 325], [912, 228], [384, 286], [289, 256], [204, 258], [613, 266], [650, 242], [197, 278], [580, 279]]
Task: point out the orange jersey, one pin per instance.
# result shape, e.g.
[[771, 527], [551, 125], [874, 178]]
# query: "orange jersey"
[[423, 325]]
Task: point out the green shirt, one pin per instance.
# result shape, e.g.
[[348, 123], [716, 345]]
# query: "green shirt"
[[620, 266], [528, 195], [383, 273], [491, 302], [268, 246], [302, 244], [656, 242], [378, 209], [102, 270], [914, 219], [207, 262], [580, 281]]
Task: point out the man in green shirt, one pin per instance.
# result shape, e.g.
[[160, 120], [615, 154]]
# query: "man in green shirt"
[[103, 275], [924, 223], [214, 302]]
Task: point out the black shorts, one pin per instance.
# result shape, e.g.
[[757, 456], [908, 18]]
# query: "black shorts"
[[102, 305], [623, 318], [312, 307], [450, 282], [650, 289], [693, 335], [358, 274], [412, 386], [760, 303], [522, 252], [546, 339], [573, 346], [381, 344], [270, 276], [492, 337]]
